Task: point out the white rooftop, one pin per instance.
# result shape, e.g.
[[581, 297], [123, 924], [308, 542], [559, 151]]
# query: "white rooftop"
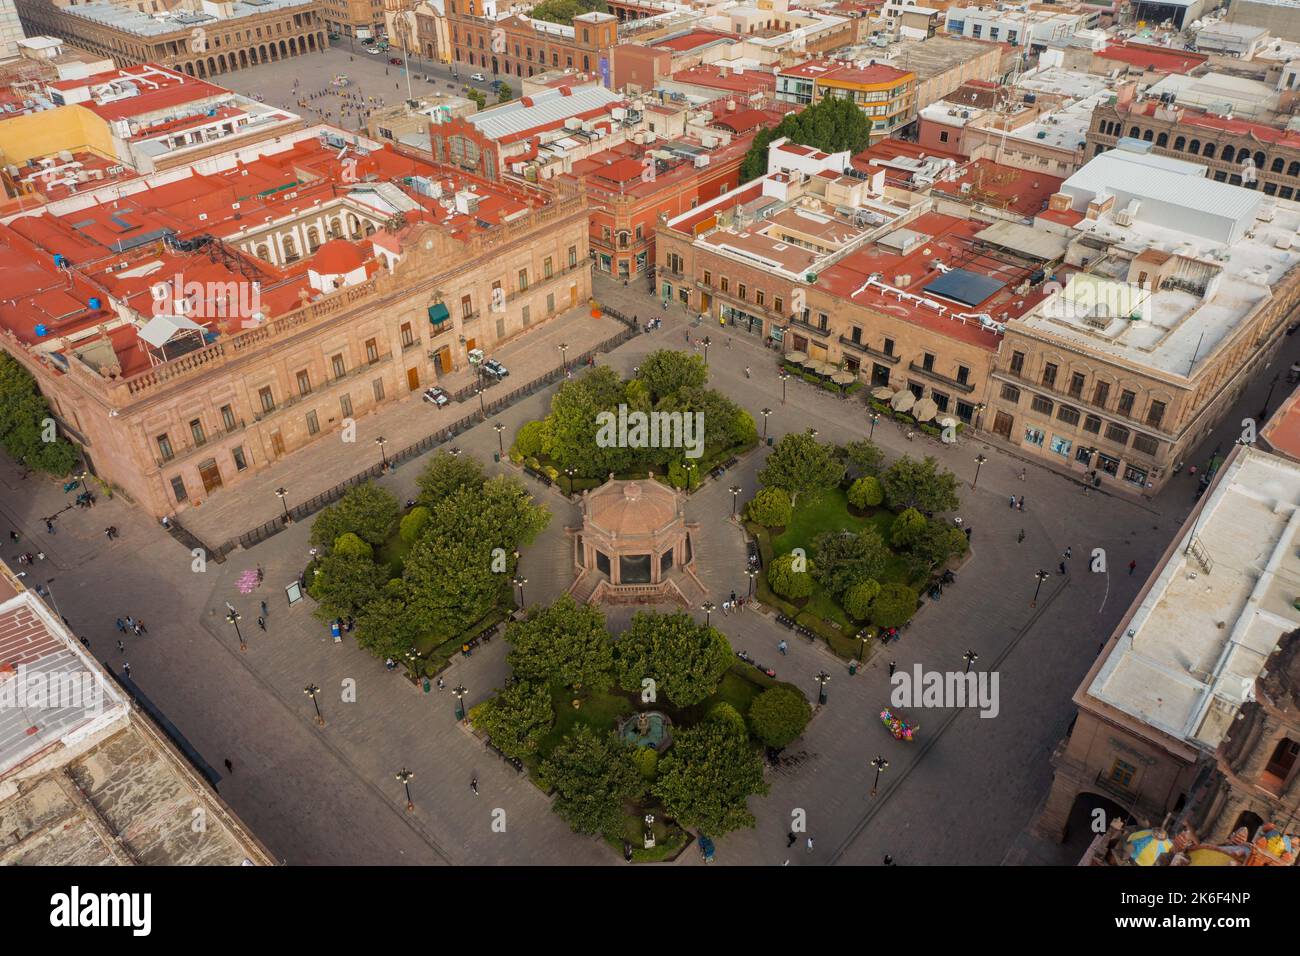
[[549, 106], [1192, 650]]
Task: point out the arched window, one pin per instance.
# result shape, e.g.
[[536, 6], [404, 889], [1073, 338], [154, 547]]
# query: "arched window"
[[354, 227], [1260, 160], [290, 249], [1148, 135], [1209, 151], [1293, 169], [1194, 146], [335, 229], [1162, 140], [263, 253], [313, 239], [1228, 154], [1134, 133], [1180, 144]]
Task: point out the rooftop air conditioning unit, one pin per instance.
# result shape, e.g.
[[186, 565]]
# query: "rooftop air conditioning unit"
[[1284, 241]]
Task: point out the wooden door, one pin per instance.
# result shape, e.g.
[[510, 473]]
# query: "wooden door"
[[413, 379], [210, 475], [1002, 424], [277, 444]]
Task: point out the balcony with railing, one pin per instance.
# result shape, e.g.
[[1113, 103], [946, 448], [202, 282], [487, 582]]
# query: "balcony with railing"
[[963, 387], [866, 349], [1086, 405]]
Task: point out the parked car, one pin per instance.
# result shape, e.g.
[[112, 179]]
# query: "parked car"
[[395, 60], [479, 77], [372, 51], [436, 396], [494, 369]]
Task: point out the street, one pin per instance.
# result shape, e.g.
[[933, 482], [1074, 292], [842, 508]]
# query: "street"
[[963, 793]]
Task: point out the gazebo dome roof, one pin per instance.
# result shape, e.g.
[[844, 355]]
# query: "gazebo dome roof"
[[632, 507]]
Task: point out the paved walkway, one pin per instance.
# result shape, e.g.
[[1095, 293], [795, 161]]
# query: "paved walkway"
[[963, 793]]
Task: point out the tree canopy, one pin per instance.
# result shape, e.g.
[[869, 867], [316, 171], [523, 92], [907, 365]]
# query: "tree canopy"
[[516, 719], [779, 715], [26, 421], [367, 511], [799, 463], [686, 660], [832, 125], [709, 774], [565, 643], [447, 473], [563, 11], [593, 775], [845, 558], [922, 485]]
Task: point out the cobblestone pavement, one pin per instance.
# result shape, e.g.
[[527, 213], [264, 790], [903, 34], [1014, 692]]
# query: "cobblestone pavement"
[[964, 792], [380, 83]]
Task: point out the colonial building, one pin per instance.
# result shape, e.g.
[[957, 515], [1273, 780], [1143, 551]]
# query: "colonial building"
[[202, 40], [192, 330], [516, 45], [1183, 292]]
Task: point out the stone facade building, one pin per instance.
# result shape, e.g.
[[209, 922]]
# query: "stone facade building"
[[516, 45], [201, 41]]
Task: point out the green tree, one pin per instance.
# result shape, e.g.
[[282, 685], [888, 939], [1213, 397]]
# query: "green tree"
[[893, 606], [414, 524], [686, 660], [787, 582], [833, 124], [566, 643], [646, 760], [779, 715], [864, 457], [352, 546], [575, 422], [845, 559], [907, 527], [725, 712], [385, 626], [936, 543], [667, 371], [345, 584], [922, 485], [707, 777], [593, 775], [477, 97], [447, 473], [505, 94], [866, 493], [858, 597], [563, 11], [367, 510], [452, 584], [24, 414], [770, 508], [798, 463], [516, 719], [534, 438]]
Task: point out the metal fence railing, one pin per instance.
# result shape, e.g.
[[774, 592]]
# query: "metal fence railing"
[[309, 507]]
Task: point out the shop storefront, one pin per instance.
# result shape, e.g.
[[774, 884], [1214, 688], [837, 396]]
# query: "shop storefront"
[[741, 321]]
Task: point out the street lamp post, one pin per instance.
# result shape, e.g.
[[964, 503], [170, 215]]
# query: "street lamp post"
[[784, 375], [874, 418], [880, 763], [501, 448], [862, 645], [765, 412], [979, 463], [459, 692], [979, 414], [519, 582], [381, 441], [706, 350], [280, 493], [735, 496], [707, 607], [1041, 576], [970, 657], [751, 573], [571, 473], [822, 679], [311, 690], [564, 361], [482, 406], [233, 618], [404, 778]]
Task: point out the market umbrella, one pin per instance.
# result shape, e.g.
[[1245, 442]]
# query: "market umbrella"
[[844, 377], [1147, 846], [819, 368], [882, 392], [902, 401], [796, 357], [925, 410]]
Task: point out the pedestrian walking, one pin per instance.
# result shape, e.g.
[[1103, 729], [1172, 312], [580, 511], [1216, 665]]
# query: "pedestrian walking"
[[725, 606], [893, 666], [13, 536], [473, 785], [1068, 552], [264, 613], [782, 646], [1020, 537], [1012, 502], [746, 371], [810, 844], [130, 623], [1020, 505], [261, 622], [733, 597], [1132, 566], [260, 575], [790, 839], [135, 629], [84, 641], [121, 625], [888, 860], [230, 767], [1062, 567], [126, 669], [121, 648], [441, 683], [1023, 471], [49, 526], [141, 627]]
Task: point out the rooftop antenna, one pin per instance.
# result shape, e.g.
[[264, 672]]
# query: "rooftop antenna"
[[1192, 364]]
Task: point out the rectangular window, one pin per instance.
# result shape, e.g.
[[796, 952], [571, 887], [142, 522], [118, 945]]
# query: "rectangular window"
[[523, 279], [267, 399], [939, 399], [340, 367], [377, 386], [408, 337], [1068, 414], [778, 305], [313, 423], [1117, 433], [889, 346], [466, 307], [165, 448], [760, 298], [196, 431], [927, 362], [1017, 362], [708, 277], [550, 304], [740, 291], [1145, 444], [547, 269], [1034, 436], [1049, 374], [1076, 384], [238, 456], [723, 284], [965, 411], [178, 490], [963, 374], [372, 351], [1041, 405], [304, 383], [1092, 424], [573, 256], [1101, 394], [1155, 414], [1011, 394], [526, 315], [345, 405], [228, 418], [1126, 399]]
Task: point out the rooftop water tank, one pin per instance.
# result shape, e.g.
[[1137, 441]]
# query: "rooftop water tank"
[[42, 331], [94, 303]]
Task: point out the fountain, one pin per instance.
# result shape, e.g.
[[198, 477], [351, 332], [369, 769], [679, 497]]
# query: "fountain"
[[648, 729]]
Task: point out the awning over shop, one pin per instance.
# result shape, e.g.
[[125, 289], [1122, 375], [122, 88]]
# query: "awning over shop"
[[438, 313]]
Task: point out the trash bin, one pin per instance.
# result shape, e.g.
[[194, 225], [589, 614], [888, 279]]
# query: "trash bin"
[[853, 668], [496, 456], [426, 685], [769, 440]]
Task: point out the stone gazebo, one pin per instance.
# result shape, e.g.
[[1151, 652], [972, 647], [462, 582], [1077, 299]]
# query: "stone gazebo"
[[635, 546]]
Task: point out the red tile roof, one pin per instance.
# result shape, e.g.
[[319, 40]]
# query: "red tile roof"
[[750, 81], [1158, 58]]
